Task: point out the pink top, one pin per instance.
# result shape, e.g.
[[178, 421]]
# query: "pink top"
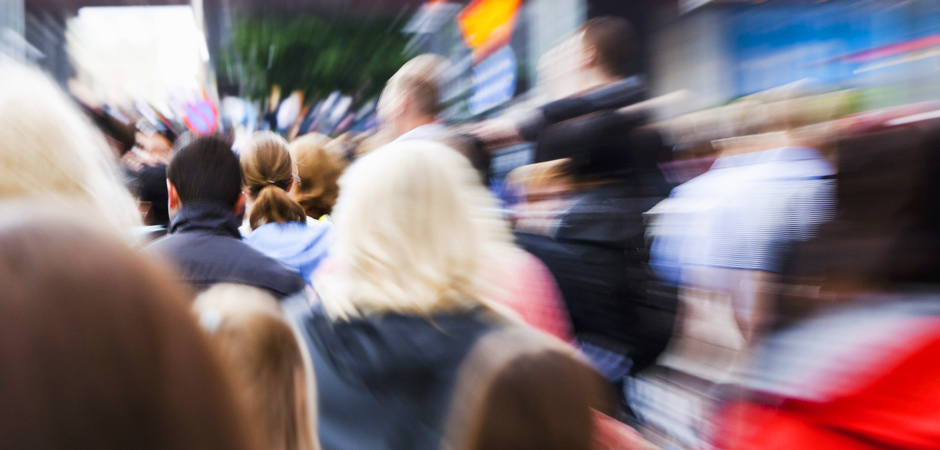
[[529, 289]]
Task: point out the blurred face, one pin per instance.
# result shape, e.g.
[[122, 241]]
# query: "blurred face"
[[547, 197], [155, 144]]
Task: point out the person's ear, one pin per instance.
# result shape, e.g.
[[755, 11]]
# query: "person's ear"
[[174, 198], [240, 204], [589, 57]]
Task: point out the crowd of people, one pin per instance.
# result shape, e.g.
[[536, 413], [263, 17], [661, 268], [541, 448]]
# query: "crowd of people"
[[165, 291]]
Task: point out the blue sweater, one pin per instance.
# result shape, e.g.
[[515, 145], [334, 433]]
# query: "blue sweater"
[[298, 245]]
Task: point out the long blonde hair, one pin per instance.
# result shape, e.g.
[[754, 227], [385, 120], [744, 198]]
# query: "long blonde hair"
[[416, 233], [266, 359], [50, 150], [269, 171]]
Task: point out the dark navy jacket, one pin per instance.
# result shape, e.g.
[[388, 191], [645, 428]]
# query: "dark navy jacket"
[[205, 246], [386, 382]]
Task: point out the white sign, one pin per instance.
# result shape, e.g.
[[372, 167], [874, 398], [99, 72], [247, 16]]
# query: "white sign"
[[494, 81]]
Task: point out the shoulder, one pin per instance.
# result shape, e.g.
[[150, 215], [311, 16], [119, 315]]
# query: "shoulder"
[[209, 258]]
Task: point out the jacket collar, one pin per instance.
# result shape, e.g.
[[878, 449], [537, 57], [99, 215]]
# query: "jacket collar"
[[205, 216]]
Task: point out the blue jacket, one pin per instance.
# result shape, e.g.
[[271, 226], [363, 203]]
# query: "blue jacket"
[[300, 246], [206, 248]]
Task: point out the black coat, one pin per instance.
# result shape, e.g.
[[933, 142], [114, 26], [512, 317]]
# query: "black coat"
[[386, 382], [205, 246], [599, 254]]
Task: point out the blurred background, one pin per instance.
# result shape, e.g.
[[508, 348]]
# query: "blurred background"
[[321, 64], [726, 78], [243, 65]]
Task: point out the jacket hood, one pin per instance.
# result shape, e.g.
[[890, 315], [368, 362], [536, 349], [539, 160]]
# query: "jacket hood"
[[301, 246], [382, 348], [207, 217]]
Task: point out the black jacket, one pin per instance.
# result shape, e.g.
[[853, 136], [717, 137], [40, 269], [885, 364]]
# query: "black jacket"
[[599, 254], [206, 248], [386, 382]]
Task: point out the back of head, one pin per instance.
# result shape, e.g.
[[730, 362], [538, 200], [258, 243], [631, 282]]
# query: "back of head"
[[613, 41], [318, 171], [475, 151], [50, 150], [410, 234], [418, 80], [259, 349], [518, 390], [99, 348], [269, 172], [206, 170]]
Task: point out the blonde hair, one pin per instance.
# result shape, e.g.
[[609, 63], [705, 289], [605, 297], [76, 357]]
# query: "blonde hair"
[[318, 171], [50, 150], [268, 171], [532, 177], [416, 232], [420, 79], [267, 360]]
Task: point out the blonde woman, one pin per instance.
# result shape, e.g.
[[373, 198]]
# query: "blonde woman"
[[405, 301], [49, 150], [279, 224], [267, 362]]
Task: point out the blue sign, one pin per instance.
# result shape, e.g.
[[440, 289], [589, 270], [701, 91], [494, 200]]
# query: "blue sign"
[[494, 81]]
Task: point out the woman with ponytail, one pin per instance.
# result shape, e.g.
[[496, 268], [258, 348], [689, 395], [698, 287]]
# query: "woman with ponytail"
[[279, 225]]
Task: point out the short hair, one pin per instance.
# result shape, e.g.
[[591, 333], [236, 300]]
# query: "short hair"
[[474, 150], [264, 356], [125, 363], [613, 40], [318, 172], [268, 170], [206, 170], [420, 80], [429, 249]]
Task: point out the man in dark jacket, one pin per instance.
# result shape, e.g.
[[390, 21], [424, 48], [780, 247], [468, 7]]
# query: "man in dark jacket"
[[204, 186], [599, 254]]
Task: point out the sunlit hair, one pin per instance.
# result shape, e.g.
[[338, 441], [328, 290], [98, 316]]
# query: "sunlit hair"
[[50, 150], [519, 390], [533, 177], [318, 171], [268, 171], [416, 233], [266, 359], [420, 79]]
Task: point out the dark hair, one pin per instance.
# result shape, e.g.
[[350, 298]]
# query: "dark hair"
[[474, 150], [613, 40], [206, 169], [99, 347], [886, 230]]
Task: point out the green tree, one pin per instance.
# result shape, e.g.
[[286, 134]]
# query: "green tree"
[[312, 54]]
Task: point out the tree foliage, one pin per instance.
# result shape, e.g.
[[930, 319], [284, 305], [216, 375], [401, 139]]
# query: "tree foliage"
[[312, 54]]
